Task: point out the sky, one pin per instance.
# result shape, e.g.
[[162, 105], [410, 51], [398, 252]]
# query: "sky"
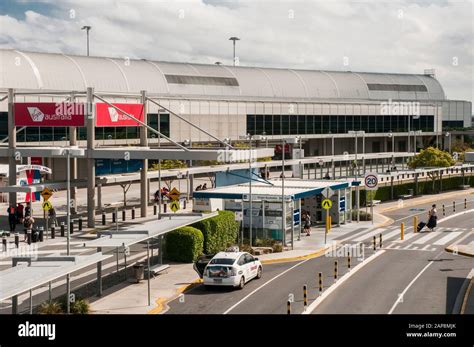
[[404, 36]]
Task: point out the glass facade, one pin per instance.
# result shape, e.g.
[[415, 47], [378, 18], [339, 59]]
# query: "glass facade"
[[304, 125], [35, 134]]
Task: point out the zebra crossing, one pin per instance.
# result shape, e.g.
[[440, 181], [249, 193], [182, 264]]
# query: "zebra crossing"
[[420, 241]]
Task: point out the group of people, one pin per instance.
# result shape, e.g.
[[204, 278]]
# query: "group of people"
[[20, 215], [201, 187]]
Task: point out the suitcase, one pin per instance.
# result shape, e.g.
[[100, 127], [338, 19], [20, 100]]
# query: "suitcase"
[[420, 226]]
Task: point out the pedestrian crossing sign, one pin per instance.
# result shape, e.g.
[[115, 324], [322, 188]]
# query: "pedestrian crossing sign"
[[47, 205], [326, 204], [174, 206]]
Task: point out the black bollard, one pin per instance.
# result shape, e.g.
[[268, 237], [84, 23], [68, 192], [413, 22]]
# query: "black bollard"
[[17, 240], [41, 234], [62, 229], [4, 242], [165, 207], [133, 212], [80, 224], [114, 217], [123, 215], [71, 227], [103, 218], [155, 209], [28, 237], [53, 232]]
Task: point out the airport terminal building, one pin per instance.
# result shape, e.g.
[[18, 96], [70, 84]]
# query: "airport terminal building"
[[205, 105], [232, 101]]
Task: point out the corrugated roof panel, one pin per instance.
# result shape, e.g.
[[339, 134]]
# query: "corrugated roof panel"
[[16, 71], [318, 84], [253, 82], [349, 85]]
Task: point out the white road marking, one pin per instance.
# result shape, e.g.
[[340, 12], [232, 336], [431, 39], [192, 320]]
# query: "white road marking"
[[369, 235], [344, 278], [391, 234], [355, 235], [408, 287], [451, 236], [425, 248], [405, 237], [425, 238], [263, 285]]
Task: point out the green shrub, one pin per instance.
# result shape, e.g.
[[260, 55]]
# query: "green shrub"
[[184, 244], [52, 307], [80, 306], [362, 215], [219, 232]]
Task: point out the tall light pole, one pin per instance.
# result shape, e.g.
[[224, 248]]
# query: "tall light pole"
[[356, 171], [87, 28], [233, 39], [448, 135], [250, 189], [283, 202]]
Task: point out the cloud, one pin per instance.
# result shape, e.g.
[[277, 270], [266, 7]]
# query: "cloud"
[[402, 36]]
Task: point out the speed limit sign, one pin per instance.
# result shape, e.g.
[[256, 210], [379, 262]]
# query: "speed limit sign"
[[371, 181]]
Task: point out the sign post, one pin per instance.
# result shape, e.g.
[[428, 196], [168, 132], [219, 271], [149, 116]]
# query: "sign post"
[[371, 181], [174, 195], [326, 204], [46, 194]]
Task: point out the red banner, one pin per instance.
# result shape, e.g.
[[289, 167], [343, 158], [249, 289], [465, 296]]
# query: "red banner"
[[49, 114], [107, 116]]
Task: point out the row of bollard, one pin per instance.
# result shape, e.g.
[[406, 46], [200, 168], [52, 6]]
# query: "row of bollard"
[[320, 284]]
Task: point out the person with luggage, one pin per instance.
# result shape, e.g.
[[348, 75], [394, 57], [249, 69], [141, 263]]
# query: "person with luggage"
[[52, 217], [12, 217], [432, 218], [28, 225]]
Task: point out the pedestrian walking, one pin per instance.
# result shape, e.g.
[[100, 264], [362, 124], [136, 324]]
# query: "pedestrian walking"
[[52, 217], [20, 213], [28, 210], [11, 211], [307, 224], [28, 225], [432, 218]]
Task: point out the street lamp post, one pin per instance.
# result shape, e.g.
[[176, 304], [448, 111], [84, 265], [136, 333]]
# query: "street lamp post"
[[233, 39], [87, 28], [283, 207], [448, 135], [250, 189], [356, 171]]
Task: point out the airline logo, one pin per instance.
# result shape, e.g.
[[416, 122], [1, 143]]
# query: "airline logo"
[[115, 116], [49, 114], [108, 116], [35, 114]]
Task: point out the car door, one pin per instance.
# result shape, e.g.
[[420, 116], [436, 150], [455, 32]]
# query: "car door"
[[251, 265], [242, 267]]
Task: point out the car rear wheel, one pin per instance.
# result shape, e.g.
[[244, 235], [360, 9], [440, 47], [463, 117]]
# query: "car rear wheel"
[[241, 283], [259, 272]]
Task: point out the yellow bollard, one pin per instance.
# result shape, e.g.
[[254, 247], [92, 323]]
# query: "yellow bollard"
[[444, 211], [380, 240], [327, 225], [305, 296], [288, 307], [415, 224], [330, 222], [320, 283], [465, 203], [335, 270], [374, 239], [348, 261], [402, 231]]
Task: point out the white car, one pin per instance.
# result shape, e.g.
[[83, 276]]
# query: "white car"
[[232, 269]]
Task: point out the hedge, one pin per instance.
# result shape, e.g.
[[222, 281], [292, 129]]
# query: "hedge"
[[424, 187], [184, 244], [219, 232]]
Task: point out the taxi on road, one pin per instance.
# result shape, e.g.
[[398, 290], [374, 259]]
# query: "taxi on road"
[[232, 269]]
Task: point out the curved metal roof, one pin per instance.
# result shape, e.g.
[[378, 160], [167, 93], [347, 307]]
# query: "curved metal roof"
[[60, 72]]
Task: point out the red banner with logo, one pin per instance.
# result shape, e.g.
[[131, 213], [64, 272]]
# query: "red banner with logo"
[[107, 116], [49, 114]]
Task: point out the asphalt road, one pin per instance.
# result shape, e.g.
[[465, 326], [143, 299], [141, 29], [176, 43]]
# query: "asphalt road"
[[417, 270]]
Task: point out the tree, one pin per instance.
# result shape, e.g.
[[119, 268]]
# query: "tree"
[[431, 157], [167, 165]]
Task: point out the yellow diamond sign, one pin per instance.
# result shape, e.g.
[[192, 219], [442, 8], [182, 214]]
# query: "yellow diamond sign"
[[46, 194], [174, 194]]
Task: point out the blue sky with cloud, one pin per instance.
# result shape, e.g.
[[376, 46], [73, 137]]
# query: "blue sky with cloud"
[[396, 36]]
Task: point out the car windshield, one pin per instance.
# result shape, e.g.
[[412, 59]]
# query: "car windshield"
[[224, 261]]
